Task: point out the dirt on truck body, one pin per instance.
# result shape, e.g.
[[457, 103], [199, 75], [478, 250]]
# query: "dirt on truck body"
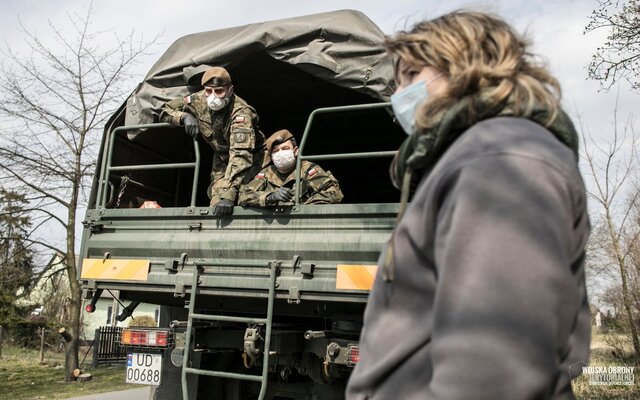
[[267, 302]]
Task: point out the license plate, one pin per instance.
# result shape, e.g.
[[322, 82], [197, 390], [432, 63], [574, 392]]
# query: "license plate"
[[144, 368]]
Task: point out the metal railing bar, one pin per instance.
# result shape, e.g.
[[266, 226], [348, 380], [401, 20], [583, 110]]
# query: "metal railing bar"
[[220, 374], [370, 154], [227, 318], [151, 166], [307, 129], [107, 167]]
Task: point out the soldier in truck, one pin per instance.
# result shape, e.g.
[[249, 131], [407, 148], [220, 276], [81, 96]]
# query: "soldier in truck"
[[230, 126], [274, 184]]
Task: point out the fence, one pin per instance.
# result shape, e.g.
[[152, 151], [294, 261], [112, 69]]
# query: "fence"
[[106, 346]]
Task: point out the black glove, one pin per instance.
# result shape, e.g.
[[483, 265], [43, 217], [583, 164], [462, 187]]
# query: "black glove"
[[190, 124], [223, 207], [282, 194]]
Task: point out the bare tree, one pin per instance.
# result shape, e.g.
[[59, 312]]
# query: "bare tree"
[[617, 233], [53, 103], [619, 56]]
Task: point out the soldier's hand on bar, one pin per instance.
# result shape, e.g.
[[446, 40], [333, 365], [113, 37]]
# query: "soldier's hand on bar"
[[223, 207], [283, 194], [190, 124]]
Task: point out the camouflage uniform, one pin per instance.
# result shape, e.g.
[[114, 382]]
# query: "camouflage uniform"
[[318, 186], [233, 134]]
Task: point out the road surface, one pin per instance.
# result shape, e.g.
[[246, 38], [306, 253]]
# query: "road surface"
[[141, 393]]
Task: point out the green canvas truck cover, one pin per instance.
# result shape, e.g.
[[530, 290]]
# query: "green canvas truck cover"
[[343, 47]]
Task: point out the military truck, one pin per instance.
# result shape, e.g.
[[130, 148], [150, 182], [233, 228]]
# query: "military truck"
[[267, 302]]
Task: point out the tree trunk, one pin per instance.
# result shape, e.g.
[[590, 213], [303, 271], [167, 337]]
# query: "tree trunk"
[[73, 332], [42, 330], [1, 339], [72, 348]]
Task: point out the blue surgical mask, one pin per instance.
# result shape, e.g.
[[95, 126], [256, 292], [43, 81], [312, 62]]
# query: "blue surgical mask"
[[405, 103]]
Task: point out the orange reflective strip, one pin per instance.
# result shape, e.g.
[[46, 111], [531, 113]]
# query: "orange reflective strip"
[[355, 277], [117, 270]]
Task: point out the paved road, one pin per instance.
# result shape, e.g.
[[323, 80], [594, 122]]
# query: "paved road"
[[141, 393]]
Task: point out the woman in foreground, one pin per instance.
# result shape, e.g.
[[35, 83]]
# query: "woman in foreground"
[[480, 292]]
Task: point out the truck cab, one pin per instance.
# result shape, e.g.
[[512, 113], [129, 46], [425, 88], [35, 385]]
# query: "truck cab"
[[267, 302]]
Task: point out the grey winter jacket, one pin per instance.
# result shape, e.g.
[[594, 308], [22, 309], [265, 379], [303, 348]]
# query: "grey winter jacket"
[[489, 297]]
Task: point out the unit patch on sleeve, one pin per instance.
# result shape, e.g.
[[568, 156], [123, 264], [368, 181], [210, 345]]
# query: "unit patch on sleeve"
[[240, 137]]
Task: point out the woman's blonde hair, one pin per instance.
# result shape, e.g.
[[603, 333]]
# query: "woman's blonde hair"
[[483, 58]]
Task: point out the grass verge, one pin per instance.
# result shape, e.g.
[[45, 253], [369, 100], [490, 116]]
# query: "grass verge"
[[602, 356], [23, 378]]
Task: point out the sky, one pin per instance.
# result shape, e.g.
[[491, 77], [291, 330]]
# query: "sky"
[[555, 28]]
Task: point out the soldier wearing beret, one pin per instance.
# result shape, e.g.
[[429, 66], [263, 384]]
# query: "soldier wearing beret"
[[275, 184], [230, 126]]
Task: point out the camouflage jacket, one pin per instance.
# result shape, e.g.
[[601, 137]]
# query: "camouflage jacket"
[[233, 134], [317, 186]]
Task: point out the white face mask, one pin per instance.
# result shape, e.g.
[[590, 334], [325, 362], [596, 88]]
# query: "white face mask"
[[215, 103], [406, 103], [284, 160]]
